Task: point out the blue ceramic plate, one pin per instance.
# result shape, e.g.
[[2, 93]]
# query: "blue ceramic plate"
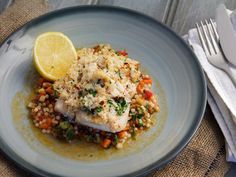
[[181, 89]]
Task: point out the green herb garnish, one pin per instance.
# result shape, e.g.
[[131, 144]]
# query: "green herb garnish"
[[121, 106], [117, 53], [55, 94], [120, 75], [147, 106], [140, 122], [64, 125], [98, 109], [110, 102], [70, 134], [115, 139], [92, 92]]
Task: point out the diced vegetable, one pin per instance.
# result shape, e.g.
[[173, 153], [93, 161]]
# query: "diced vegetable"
[[142, 83], [98, 109], [106, 143], [123, 53], [64, 125], [147, 81], [122, 134], [55, 94], [140, 122], [49, 90], [47, 124], [92, 92], [115, 141], [70, 134], [140, 87], [148, 94]]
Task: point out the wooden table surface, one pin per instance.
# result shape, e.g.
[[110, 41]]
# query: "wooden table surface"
[[179, 15]]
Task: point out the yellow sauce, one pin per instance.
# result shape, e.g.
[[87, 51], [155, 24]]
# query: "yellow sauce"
[[80, 150]]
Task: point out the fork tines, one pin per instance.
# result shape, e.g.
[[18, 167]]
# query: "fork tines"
[[208, 37]]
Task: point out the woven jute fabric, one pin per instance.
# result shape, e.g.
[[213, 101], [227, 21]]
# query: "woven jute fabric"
[[20, 12], [205, 154]]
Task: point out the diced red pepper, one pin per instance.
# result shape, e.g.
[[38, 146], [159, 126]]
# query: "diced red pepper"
[[49, 90], [148, 94], [142, 83], [123, 53]]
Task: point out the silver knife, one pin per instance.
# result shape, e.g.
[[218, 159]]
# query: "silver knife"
[[227, 34]]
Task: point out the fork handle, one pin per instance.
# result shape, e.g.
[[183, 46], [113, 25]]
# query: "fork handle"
[[231, 74]]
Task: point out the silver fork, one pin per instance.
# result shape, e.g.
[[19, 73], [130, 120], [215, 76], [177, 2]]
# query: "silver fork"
[[210, 42]]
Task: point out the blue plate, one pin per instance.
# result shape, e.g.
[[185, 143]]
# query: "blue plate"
[[181, 89]]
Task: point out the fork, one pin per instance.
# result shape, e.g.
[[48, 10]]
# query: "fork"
[[209, 39]]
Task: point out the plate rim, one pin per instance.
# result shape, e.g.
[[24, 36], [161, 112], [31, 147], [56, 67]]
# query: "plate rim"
[[198, 118]]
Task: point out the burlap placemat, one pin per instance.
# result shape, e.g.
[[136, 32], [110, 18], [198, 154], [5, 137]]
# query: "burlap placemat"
[[203, 157]]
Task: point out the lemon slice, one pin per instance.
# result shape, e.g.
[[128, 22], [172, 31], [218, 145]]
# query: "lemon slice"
[[53, 55]]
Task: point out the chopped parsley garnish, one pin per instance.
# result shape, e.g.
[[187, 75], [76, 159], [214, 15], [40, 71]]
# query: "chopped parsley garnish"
[[64, 125], [121, 105], [120, 75], [70, 134], [138, 114], [115, 139], [92, 110], [55, 94], [98, 109], [109, 102], [140, 122], [65, 129], [120, 110], [92, 92]]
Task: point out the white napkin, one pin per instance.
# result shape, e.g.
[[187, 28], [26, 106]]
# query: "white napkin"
[[221, 93]]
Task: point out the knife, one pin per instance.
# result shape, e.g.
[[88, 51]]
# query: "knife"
[[227, 34]]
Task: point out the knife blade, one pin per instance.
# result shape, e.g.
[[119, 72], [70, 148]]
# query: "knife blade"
[[227, 34]]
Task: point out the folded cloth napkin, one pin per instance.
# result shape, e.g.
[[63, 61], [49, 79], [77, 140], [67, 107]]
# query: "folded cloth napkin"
[[221, 93]]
